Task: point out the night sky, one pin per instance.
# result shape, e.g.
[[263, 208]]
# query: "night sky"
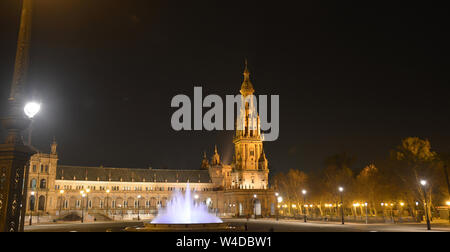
[[351, 78]]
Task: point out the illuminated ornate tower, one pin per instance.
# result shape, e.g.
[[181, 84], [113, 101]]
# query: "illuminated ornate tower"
[[250, 163], [14, 155]]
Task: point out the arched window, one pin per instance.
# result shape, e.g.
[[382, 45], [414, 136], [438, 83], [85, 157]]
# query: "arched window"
[[113, 204], [34, 168], [32, 202], [42, 168], [33, 183], [41, 204], [43, 184], [101, 203]]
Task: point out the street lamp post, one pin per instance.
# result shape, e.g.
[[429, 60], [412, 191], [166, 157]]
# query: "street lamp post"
[[107, 207], [279, 200], [367, 217], [254, 204], [304, 203], [61, 192], [83, 195], [196, 199], [31, 109], [401, 210], [341, 190], [448, 209], [32, 208], [425, 205], [138, 204]]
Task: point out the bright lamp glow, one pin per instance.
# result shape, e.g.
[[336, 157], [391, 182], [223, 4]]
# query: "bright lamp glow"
[[304, 191], [341, 189], [423, 182], [31, 109], [280, 199]]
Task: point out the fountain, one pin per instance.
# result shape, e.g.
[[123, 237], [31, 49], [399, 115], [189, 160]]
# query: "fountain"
[[182, 213]]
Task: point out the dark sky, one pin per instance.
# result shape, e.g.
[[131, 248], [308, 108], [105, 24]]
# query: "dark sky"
[[351, 77]]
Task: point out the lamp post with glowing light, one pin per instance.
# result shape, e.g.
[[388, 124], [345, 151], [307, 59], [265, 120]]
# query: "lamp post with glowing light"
[[279, 200], [254, 204], [341, 190], [138, 204], [367, 216], [61, 192], [423, 183], [196, 199], [401, 212], [107, 197], [304, 203], [83, 195], [32, 207], [31, 109], [448, 209], [87, 200]]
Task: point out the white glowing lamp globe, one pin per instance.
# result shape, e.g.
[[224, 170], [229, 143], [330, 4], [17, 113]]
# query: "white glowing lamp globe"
[[31, 109], [280, 199]]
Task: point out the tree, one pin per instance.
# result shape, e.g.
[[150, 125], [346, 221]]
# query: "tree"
[[416, 161], [368, 187], [290, 185]]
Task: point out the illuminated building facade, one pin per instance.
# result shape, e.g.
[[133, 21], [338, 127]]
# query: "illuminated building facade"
[[236, 189]]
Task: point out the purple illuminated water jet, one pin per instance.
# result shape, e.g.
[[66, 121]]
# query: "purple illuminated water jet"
[[182, 209]]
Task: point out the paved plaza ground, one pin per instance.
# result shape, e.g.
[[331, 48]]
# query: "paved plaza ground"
[[258, 225]]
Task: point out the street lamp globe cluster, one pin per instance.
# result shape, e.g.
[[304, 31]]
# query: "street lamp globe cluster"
[[31, 109]]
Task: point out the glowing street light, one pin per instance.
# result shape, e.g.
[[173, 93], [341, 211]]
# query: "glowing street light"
[[304, 202], [32, 210], [61, 192], [83, 195], [31, 109], [425, 205], [341, 190], [107, 197], [138, 204], [280, 199], [367, 216]]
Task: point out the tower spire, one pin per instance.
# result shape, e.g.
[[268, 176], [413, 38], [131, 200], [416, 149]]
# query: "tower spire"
[[216, 157], [53, 146], [247, 86]]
